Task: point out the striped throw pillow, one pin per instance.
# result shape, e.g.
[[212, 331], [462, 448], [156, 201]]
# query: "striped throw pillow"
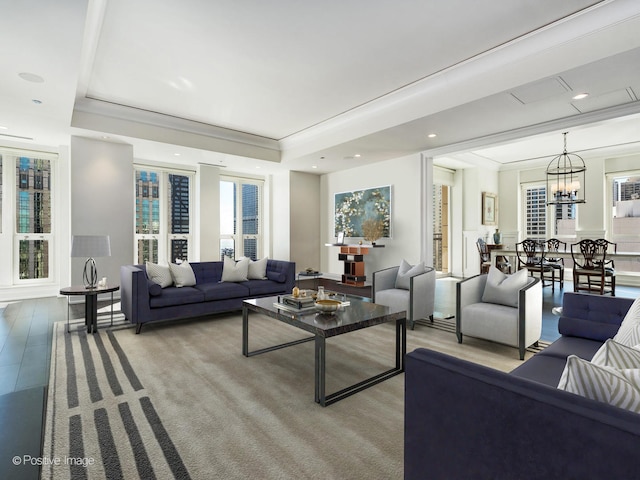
[[604, 384], [629, 332], [159, 274], [616, 355]]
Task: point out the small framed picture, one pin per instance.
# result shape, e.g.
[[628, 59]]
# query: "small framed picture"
[[340, 238]]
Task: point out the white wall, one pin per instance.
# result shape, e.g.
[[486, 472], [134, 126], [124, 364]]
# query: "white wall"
[[404, 176], [280, 216], [305, 244], [208, 213], [102, 202]]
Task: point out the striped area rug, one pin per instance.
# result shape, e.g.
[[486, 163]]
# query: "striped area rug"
[[180, 401], [102, 403]]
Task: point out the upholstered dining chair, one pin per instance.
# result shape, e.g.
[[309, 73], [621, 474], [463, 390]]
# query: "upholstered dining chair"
[[609, 265], [591, 271], [501, 308], [531, 255], [414, 291], [556, 262]]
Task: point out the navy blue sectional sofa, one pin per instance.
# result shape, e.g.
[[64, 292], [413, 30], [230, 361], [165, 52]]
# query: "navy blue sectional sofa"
[[143, 301], [467, 421]]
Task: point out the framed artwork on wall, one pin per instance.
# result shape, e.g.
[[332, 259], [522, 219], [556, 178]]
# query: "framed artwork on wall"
[[489, 208], [359, 208]]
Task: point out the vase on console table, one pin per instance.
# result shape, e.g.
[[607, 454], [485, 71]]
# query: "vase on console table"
[[497, 237]]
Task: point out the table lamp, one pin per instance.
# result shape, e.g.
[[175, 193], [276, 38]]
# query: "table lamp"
[[90, 246]]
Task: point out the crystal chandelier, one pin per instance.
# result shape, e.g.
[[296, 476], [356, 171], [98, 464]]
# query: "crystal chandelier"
[[565, 178]]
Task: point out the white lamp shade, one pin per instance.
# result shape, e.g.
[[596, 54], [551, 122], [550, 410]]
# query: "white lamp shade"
[[90, 246]]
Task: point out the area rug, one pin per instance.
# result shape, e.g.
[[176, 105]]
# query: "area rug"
[[180, 401]]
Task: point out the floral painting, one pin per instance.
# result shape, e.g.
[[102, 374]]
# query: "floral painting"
[[352, 209]]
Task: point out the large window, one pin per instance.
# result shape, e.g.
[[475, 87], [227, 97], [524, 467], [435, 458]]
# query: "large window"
[[542, 221], [240, 218], [163, 216], [26, 213], [624, 211]]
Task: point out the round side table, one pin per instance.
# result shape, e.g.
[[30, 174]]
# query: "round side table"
[[90, 303]]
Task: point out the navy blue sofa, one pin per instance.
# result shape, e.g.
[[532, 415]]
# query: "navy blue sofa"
[[467, 421], [142, 301]]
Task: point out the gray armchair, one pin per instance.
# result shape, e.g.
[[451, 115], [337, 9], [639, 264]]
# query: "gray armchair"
[[518, 325], [418, 300]]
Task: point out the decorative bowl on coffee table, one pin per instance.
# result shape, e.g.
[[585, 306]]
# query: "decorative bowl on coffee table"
[[328, 306]]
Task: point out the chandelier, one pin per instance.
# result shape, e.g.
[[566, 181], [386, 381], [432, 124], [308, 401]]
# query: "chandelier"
[[565, 178]]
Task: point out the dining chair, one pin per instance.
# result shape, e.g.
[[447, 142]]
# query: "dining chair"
[[485, 256], [590, 262], [554, 246], [531, 255]]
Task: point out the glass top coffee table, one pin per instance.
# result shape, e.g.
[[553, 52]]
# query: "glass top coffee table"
[[357, 315]]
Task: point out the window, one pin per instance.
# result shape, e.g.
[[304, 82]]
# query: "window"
[[163, 216], [542, 221], [242, 234], [624, 214], [26, 205]]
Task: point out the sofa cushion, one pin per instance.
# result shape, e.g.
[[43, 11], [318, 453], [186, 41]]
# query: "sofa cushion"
[[503, 289], [565, 346], [172, 296], [540, 368], [182, 274], [154, 288], [629, 332], [406, 271], [604, 384], [614, 354], [222, 290], [279, 277], [233, 271], [263, 287], [257, 269], [159, 274]]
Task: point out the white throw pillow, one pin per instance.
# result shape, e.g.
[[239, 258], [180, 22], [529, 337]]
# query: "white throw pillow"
[[182, 274], [604, 384], [257, 269], [629, 332], [504, 289], [616, 355], [233, 271], [160, 274], [405, 272]]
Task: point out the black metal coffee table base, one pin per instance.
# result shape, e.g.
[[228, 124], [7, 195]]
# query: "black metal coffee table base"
[[319, 338]]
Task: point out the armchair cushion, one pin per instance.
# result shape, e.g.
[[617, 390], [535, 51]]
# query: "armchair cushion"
[[503, 289], [406, 271]]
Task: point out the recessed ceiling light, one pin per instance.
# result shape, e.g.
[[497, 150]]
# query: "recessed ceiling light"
[[580, 96], [176, 154], [357, 155], [36, 101], [31, 77], [432, 135], [2, 127], [314, 166]]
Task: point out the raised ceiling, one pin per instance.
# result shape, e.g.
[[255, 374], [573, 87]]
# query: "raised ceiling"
[[289, 84]]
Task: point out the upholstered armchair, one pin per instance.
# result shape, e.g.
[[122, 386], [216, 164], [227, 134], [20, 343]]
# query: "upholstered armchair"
[[501, 308], [413, 293]]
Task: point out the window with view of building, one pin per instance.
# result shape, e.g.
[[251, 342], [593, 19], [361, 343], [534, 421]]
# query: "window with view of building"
[[240, 236], [30, 259], [542, 221], [162, 216]]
